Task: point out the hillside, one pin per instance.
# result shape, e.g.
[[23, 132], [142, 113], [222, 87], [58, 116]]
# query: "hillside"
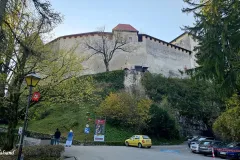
[[72, 116]]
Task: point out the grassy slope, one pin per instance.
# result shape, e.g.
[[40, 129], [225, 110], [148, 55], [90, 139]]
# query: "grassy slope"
[[63, 117], [66, 117]]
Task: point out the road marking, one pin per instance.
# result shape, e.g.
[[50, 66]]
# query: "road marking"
[[169, 151]]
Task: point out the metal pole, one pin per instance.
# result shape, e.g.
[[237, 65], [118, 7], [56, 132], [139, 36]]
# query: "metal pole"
[[25, 123]]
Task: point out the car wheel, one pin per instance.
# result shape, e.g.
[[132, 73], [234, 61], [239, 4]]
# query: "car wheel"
[[149, 146], [139, 145], [126, 143]]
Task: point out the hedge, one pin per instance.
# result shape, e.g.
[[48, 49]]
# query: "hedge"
[[41, 152]]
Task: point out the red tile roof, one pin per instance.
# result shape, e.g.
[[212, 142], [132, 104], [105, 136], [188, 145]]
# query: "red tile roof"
[[124, 27]]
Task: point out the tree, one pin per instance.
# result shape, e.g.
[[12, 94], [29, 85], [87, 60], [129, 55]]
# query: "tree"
[[3, 5], [228, 123], [217, 31], [193, 100], [161, 124], [107, 44], [125, 110], [27, 53]]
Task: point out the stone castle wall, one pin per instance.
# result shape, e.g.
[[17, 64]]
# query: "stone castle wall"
[[159, 56]]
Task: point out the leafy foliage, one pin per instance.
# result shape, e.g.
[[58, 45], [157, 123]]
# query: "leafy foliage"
[[217, 31], [110, 82], [25, 53], [125, 110], [191, 99], [228, 123], [161, 124], [47, 152]]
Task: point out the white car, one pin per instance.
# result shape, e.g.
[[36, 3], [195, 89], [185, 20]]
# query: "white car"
[[194, 146]]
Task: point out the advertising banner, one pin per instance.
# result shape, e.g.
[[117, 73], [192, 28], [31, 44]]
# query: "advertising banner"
[[99, 130]]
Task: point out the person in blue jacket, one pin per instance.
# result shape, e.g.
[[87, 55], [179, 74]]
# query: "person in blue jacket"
[[69, 139]]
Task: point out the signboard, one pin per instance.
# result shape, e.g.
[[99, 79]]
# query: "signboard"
[[99, 130], [20, 130], [86, 130], [87, 125], [99, 138], [35, 96]]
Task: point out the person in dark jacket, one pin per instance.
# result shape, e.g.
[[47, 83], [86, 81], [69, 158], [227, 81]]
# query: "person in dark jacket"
[[57, 136]]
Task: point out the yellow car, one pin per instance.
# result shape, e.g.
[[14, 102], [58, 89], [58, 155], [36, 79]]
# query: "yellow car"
[[139, 141]]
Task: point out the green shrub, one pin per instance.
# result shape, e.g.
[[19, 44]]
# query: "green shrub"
[[161, 124], [41, 152], [44, 151], [3, 139], [110, 81]]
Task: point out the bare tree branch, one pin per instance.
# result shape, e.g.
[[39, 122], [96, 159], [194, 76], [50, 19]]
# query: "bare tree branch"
[[106, 45]]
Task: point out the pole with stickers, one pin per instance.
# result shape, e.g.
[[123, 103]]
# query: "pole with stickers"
[[87, 128]]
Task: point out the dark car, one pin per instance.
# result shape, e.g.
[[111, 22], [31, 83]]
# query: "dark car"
[[206, 146], [231, 151]]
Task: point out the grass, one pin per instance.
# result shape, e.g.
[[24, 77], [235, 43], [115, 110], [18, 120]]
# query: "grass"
[[68, 117], [74, 117]]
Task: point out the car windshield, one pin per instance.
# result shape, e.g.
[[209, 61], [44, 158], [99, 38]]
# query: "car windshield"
[[206, 143], [231, 145], [145, 137]]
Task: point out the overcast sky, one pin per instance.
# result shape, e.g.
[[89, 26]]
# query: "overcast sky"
[[158, 18]]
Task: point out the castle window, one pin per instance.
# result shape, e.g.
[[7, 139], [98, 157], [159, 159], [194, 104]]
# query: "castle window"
[[130, 39]]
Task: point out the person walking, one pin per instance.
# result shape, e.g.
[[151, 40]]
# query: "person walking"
[[57, 136], [69, 139]]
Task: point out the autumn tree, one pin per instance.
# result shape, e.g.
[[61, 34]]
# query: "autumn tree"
[[126, 110], [107, 45], [25, 53]]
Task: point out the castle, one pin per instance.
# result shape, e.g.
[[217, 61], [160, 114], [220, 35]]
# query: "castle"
[[158, 56]]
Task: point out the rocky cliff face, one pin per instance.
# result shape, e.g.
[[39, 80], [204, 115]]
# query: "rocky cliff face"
[[132, 82]]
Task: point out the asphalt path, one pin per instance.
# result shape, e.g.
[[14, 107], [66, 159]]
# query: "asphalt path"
[[173, 152]]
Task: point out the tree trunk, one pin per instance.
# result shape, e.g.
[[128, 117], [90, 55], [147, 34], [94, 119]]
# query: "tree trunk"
[[107, 66], [3, 4], [8, 144]]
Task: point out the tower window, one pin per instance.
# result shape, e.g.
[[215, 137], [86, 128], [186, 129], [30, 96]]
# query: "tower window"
[[130, 39]]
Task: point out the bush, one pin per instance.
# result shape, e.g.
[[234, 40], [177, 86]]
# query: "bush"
[[161, 124], [3, 139], [227, 125], [126, 110], [46, 152]]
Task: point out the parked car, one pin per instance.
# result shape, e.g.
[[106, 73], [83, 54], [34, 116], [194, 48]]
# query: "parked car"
[[205, 146], [139, 141], [197, 140], [194, 139], [194, 146], [231, 151]]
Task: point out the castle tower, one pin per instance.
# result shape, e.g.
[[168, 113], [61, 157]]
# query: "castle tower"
[[127, 32]]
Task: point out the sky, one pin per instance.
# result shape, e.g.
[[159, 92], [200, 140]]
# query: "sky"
[[158, 18]]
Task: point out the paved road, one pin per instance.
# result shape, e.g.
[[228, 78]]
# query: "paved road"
[[178, 152]]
